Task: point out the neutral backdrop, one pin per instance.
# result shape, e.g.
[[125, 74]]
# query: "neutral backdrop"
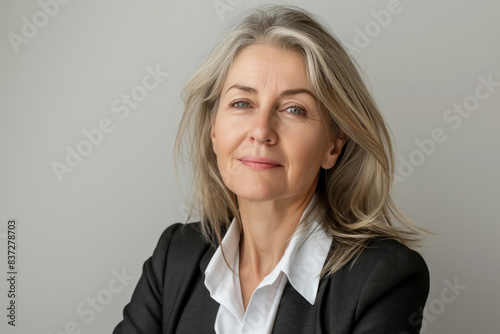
[[86, 226]]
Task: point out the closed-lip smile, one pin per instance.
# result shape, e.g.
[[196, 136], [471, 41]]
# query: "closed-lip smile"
[[259, 163]]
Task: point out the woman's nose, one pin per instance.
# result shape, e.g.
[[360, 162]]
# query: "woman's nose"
[[263, 127]]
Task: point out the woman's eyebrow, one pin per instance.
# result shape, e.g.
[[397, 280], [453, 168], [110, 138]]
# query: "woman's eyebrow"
[[243, 88], [287, 92]]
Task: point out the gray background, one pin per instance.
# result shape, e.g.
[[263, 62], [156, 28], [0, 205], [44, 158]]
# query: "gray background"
[[107, 214]]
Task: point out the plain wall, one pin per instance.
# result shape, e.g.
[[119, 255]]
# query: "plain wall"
[[69, 75]]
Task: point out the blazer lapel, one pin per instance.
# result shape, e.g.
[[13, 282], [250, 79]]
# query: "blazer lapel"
[[295, 314], [199, 310]]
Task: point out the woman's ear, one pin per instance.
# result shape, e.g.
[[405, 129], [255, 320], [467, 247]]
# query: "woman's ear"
[[334, 150]]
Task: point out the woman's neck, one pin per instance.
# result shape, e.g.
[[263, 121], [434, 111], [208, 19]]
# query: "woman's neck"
[[267, 229]]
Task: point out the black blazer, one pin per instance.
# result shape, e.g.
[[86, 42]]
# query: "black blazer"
[[384, 292]]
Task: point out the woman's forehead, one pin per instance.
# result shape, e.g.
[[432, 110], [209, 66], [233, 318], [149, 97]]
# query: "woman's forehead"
[[268, 66]]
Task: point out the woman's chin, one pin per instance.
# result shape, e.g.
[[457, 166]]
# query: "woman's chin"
[[257, 195]]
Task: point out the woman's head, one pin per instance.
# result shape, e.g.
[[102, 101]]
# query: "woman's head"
[[353, 201], [268, 134]]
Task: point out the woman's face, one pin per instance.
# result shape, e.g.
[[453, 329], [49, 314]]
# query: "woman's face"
[[268, 135]]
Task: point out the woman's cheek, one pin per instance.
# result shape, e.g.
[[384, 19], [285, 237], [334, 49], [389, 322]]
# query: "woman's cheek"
[[225, 168]]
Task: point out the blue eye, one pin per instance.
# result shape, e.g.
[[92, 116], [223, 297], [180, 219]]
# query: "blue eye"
[[240, 104], [295, 110]]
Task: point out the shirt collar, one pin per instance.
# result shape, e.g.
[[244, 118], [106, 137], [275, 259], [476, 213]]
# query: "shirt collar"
[[304, 259], [220, 281], [302, 263]]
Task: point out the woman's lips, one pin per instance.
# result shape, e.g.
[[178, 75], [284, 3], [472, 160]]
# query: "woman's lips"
[[259, 163]]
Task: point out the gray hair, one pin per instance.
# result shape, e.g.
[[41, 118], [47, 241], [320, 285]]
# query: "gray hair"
[[352, 201]]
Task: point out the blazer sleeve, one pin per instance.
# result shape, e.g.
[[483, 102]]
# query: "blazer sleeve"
[[394, 294], [143, 314]]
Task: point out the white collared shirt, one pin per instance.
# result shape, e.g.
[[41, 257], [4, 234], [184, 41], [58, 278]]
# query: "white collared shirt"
[[299, 265]]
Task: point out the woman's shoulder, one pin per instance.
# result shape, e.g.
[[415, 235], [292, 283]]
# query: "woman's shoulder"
[[391, 252], [387, 278], [384, 266], [181, 248], [182, 230], [386, 259], [182, 237], [166, 278]]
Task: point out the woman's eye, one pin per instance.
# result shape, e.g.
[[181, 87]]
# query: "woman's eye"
[[295, 110], [240, 104]]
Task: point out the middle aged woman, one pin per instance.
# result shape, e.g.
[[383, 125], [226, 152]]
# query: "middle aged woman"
[[292, 170]]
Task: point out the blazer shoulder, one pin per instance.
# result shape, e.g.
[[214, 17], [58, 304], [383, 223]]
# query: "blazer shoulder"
[[181, 237], [386, 265], [379, 290], [383, 260], [165, 280], [381, 252], [177, 242], [190, 232]]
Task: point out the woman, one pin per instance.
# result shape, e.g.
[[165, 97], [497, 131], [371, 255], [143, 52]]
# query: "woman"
[[292, 170]]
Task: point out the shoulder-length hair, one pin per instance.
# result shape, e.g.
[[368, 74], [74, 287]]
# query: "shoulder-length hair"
[[352, 200]]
